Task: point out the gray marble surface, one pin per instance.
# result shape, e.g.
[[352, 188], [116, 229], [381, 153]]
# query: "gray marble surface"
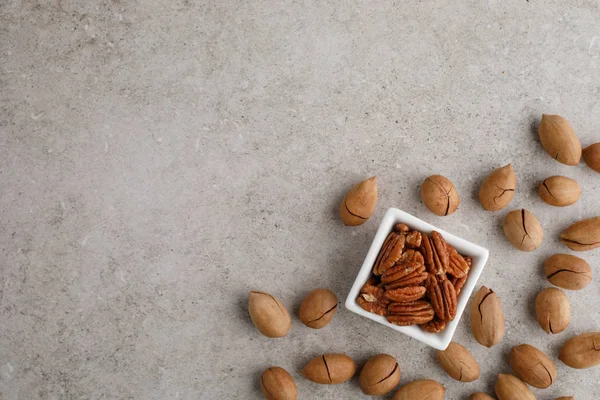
[[159, 159]]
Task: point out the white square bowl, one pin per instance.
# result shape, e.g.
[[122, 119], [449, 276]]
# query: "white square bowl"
[[479, 255]]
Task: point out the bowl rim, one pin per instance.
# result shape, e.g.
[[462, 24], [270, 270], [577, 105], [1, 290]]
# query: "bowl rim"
[[480, 255]]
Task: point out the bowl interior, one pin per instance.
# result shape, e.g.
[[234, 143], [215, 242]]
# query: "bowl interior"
[[479, 255]]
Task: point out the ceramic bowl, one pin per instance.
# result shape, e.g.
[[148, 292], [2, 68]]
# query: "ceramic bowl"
[[479, 255]]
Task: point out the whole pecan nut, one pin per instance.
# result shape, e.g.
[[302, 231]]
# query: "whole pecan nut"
[[435, 253], [414, 312], [436, 325], [390, 252], [442, 296], [405, 273], [406, 294], [413, 255], [457, 266]]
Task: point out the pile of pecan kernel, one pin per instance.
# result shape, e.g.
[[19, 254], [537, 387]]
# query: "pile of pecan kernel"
[[416, 280]]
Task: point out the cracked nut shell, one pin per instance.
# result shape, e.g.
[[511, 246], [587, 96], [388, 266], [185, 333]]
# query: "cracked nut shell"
[[498, 189], [523, 230], [559, 140], [318, 308], [559, 191], [440, 195], [268, 314], [459, 363], [487, 318], [278, 384], [582, 235], [420, 389], [568, 271], [330, 369], [359, 203], [509, 387], [532, 366], [591, 156], [379, 375], [581, 351], [552, 310]]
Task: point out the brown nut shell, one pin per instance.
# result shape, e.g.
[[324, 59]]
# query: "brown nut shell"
[[268, 314], [440, 195], [359, 203], [380, 375], [559, 140], [565, 398], [523, 230], [487, 318], [582, 235], [568, 271], [532, 366], [498, 189], [552, 310], [425, 389], [318, 308], [581, 351], [480, 396], [559, 191], [330, 369], [591, 156], [509, 387], [278, 384], [459, 363]]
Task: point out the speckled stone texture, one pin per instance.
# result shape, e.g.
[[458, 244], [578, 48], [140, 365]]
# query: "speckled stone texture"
[[159, 159]]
